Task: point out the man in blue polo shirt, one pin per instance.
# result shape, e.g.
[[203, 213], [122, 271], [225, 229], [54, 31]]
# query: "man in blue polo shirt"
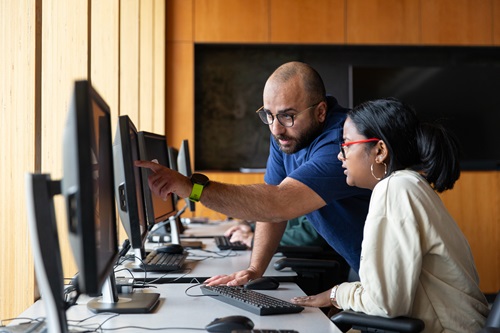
[[303, 175]]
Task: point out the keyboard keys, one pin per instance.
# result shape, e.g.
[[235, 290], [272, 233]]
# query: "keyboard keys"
[[164, 262], [223, 243], [250, 300]]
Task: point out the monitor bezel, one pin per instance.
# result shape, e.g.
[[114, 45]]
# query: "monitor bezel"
[[128, 184], [78, 189]]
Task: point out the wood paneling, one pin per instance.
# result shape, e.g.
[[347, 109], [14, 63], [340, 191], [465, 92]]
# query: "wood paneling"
[[496, 22], [159, 60], [104, 53], [298, 21], [64, 60], [46, 46], [129, 59], [179, 115], [457, 22], [475, 205], [146, 68], [180, 20], [231, 21], [18, 139], [229, 178], [383, 22]]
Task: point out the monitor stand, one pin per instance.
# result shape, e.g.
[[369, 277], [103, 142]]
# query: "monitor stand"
[[111, 301]]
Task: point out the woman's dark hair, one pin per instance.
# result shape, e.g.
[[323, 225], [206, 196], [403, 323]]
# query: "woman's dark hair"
[[428, 148]]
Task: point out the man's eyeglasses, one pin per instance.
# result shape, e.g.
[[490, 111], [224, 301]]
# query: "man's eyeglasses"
[[285, 119], [344, 145]]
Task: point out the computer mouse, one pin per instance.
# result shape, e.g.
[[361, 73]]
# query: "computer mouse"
[[262, 283], [230, 323], [172, 248]]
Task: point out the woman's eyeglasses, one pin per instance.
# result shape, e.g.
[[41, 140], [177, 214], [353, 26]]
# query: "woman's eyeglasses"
[[345, 145]]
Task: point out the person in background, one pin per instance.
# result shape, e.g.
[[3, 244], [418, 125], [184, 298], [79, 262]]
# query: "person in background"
[[415, 261], [302, 176], [298, 232]]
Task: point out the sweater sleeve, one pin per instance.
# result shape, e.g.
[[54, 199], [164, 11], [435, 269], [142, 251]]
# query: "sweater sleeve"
[[391, 256]]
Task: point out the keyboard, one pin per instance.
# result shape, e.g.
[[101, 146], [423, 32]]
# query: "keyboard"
[[223, 243], [250, 300], [164, 262]]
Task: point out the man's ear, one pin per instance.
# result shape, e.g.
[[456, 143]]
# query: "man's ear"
[[322, 107]]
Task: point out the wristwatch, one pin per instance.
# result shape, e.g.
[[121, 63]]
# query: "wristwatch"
[[199, 181], [333, 297]]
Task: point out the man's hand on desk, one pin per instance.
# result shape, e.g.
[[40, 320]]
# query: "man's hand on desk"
[[240, 233], [235, 279]]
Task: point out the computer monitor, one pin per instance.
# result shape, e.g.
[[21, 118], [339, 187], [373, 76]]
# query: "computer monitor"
[[88, 189], [40, 190], [184, 167], [128, 185], [153, 147]]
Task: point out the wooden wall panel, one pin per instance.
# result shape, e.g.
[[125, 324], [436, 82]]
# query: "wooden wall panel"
[[231, 21], [159, 41], [104, 56], [18, 139], [146, 82], [129, 59], [64, 60], [457, 22], [46, 46], [496, 22], [475, 205], [180, 20], [383, 22], [297, 21], [229, 178], [179, 116]]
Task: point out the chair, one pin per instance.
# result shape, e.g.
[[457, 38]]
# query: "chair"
[[493, 321], [317, 269], [345, 320], [367, 323]]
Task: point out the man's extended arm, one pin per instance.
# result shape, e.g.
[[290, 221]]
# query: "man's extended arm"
[[259, 202]]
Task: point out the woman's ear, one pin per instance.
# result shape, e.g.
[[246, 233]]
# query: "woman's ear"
[[382, 154]]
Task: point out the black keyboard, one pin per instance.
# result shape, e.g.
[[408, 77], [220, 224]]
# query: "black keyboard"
[[223, 243], [164, 262], [250, 300]]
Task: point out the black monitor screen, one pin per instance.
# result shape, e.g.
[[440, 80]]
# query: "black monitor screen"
[[87, 186], [128, 183], [463, 98], [153, 147]]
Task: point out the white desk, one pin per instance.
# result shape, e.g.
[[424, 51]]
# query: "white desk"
[[209, 229], [202, 264], [176, 309]]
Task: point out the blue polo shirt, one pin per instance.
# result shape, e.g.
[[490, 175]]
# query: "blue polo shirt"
[[340, 222]]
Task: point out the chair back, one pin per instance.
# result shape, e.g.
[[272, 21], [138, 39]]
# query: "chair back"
[[493, 319]]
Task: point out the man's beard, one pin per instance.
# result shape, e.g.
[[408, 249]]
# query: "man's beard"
[[296, 144]]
